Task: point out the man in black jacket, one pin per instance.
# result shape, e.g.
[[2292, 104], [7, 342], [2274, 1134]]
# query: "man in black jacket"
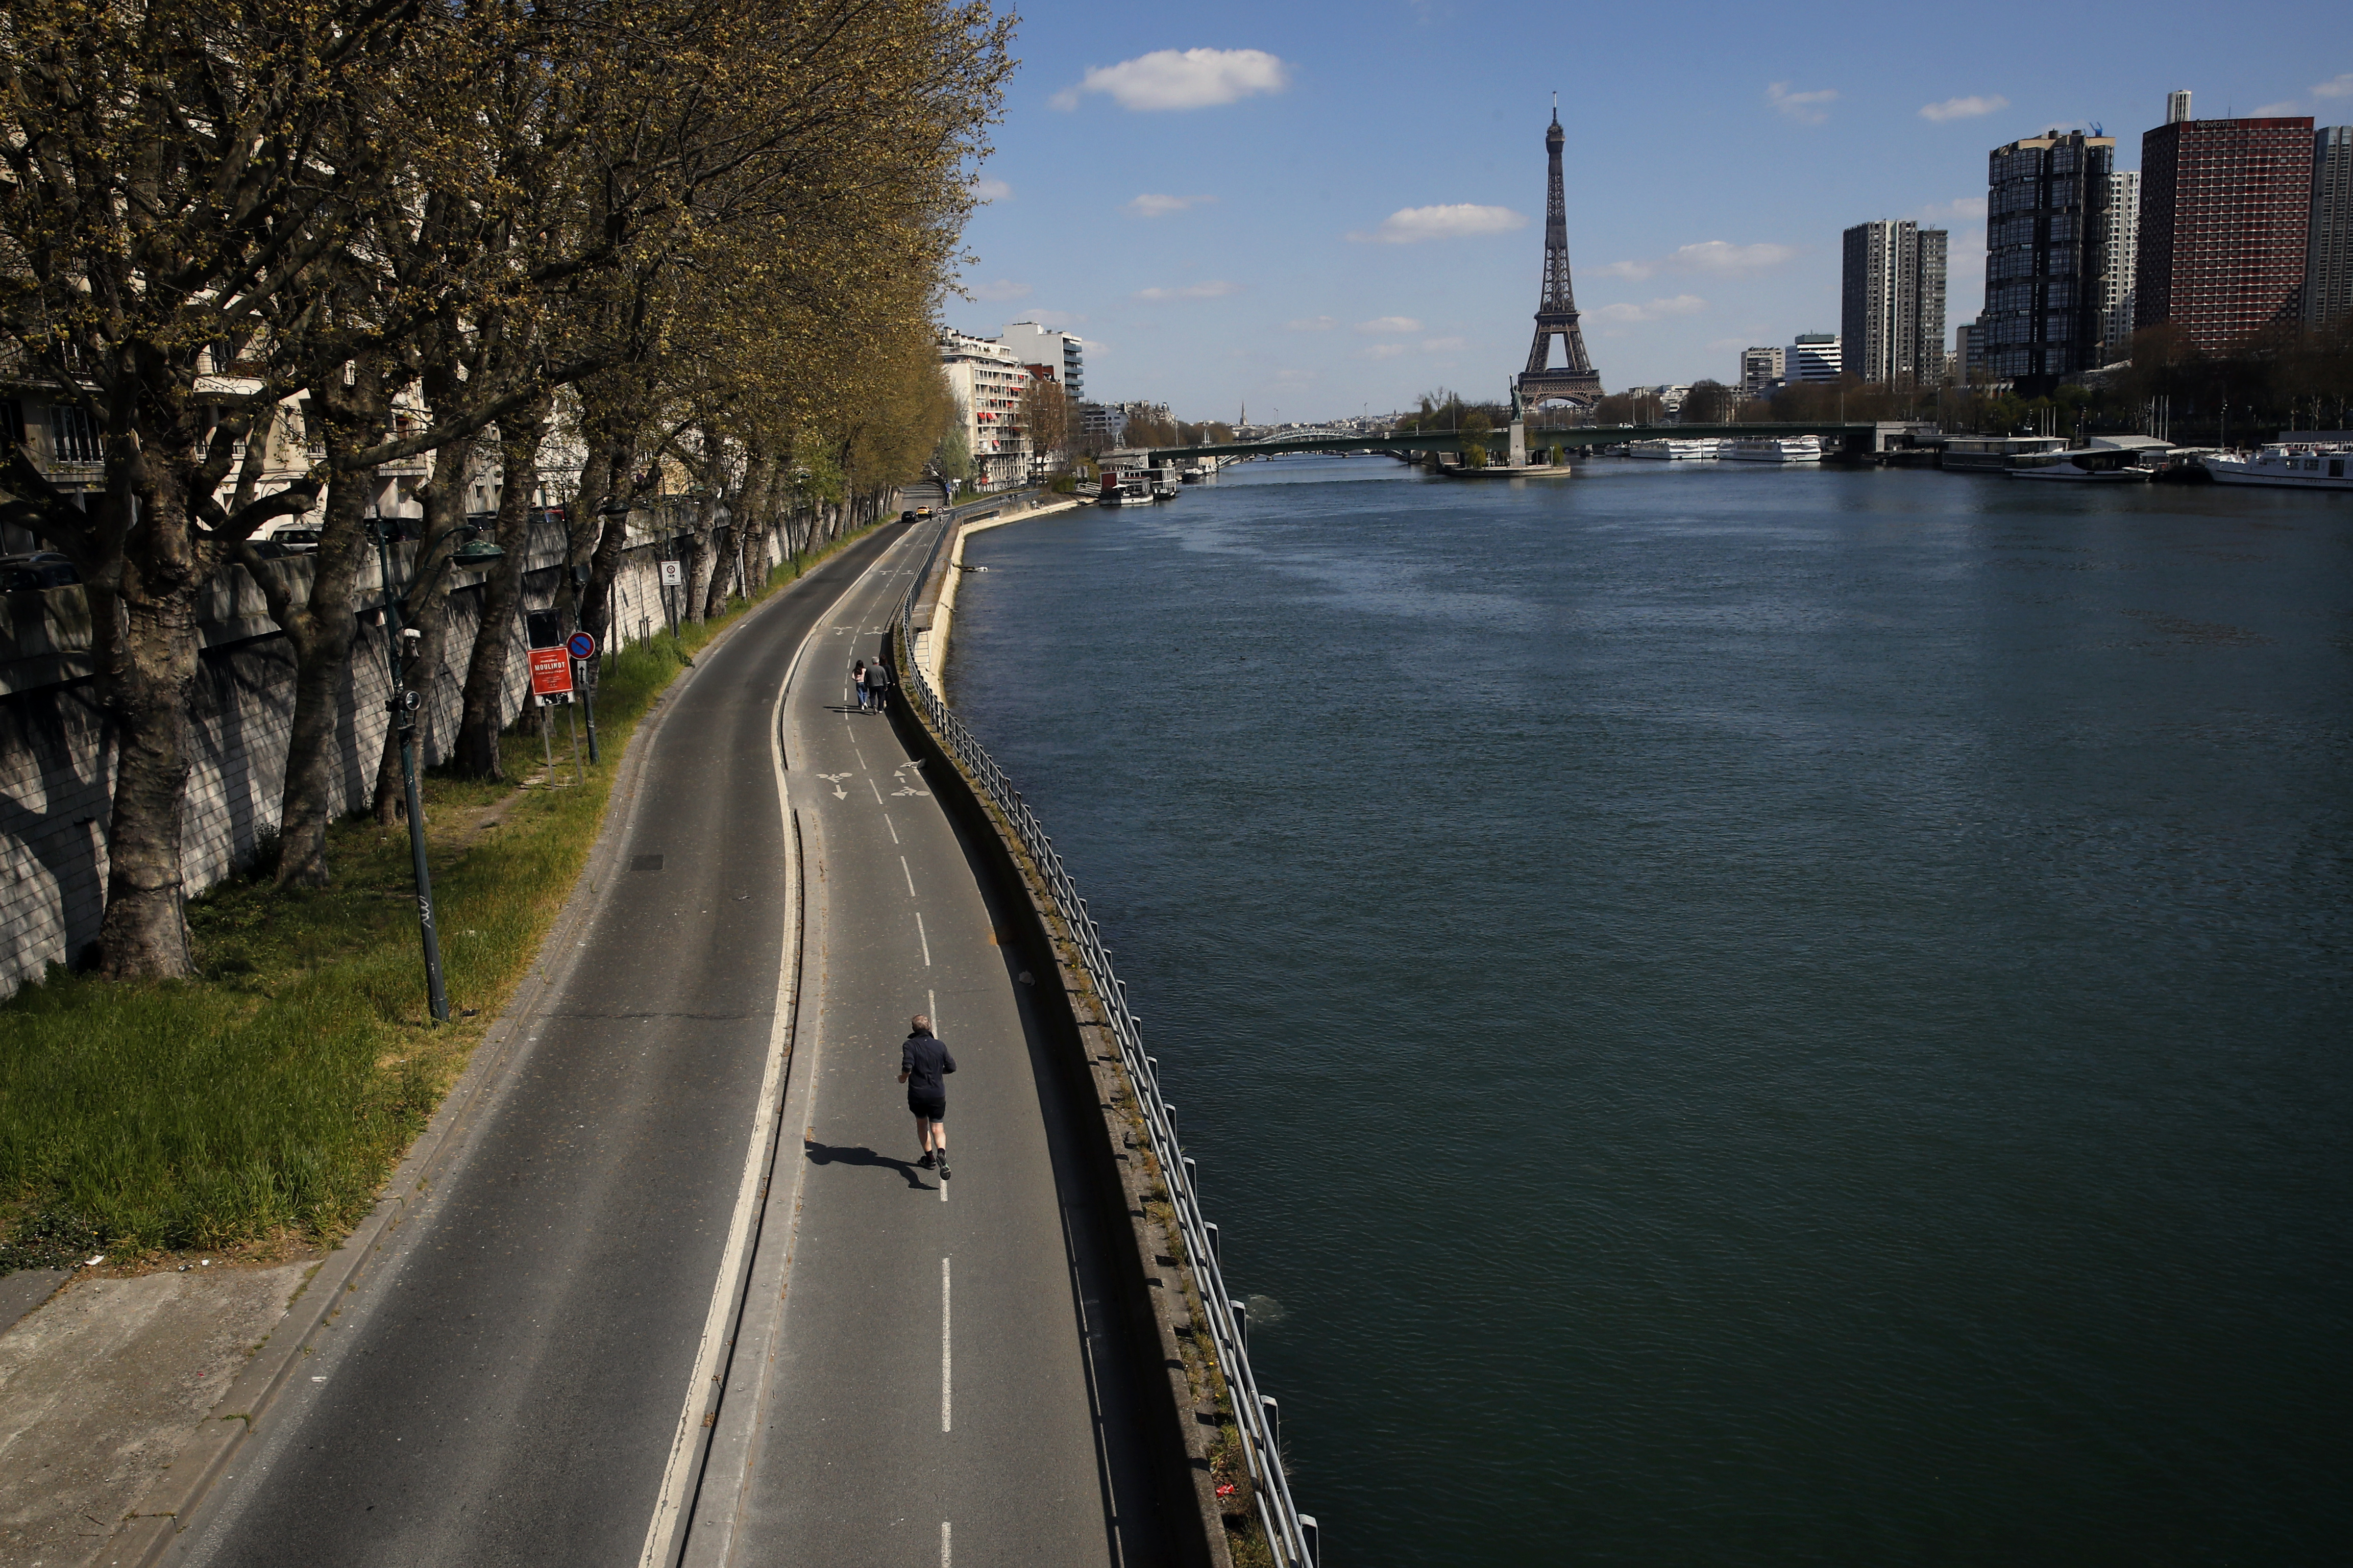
[[923, 1067]]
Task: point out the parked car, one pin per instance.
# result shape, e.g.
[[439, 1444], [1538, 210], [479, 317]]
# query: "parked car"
[[295, 541], [35, 570]]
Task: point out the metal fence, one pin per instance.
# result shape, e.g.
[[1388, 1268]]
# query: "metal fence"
[[1258, 1417]]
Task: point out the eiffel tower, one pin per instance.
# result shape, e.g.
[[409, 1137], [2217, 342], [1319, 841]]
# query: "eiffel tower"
[[1577, 382]]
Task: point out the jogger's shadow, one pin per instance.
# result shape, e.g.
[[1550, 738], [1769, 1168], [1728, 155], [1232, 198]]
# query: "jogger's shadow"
[[837, 1154]]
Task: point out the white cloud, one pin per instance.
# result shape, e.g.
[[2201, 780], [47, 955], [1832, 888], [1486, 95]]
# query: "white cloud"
[[1717, 256], [1410, 225], [2339, 87], [1440, 345], [1963, 108], [1181, 79], [989, 190], [1217, 289], [1161, 206], [1058, 319], [2273, 111], [1805, 108], [1389, 326], [998, 288], [1383, 351], [1655, 311], [1311, 324]]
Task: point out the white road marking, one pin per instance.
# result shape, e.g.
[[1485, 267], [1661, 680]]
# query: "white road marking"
[[948, 1557], [910, 875], [928, 941], [948, 1366], [886, 822], [878, 794]]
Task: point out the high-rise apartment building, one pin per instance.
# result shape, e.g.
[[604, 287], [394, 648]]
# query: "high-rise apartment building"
[[2122, 257], [2050, 257], [1815, 356], [1891, 317], [1062, 353], [1964, 367], [2225, 210], [2328, 246], [1762, 370]]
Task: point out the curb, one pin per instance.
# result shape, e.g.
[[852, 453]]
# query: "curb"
[[158, 1521]]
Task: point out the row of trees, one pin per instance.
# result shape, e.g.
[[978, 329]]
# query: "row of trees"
[[710, 233]]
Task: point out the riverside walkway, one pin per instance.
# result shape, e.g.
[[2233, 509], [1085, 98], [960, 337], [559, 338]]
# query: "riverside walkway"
[[680, 1294]]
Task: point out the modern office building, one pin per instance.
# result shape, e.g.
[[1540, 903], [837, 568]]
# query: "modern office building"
[[1966, 367], [2050, 255], [1062, 353], [1762, 370], [1815, 356], [1891, 304], [2225, 211], [2328, 245]]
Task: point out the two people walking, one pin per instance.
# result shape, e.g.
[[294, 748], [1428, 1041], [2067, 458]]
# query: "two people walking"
[[871, 682], [923, 1067]]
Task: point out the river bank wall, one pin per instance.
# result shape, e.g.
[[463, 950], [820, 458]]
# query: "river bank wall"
[[56, 759]]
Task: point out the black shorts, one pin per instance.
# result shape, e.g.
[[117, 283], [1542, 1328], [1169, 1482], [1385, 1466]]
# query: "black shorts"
[[931, 1106]]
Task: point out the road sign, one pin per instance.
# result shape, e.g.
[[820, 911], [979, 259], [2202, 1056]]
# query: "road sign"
[[671, 576], [551, 673], [582, 646]]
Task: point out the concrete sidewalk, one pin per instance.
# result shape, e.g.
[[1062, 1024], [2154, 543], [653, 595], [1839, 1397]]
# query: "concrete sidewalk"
[[101, 1386]]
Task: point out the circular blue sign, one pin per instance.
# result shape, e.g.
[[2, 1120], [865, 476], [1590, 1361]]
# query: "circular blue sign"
[[580, 646]]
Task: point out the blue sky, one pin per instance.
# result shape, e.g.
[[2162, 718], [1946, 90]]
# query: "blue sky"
[[1319, 208]]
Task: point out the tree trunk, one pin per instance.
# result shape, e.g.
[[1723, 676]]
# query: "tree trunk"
[[144, 935], [425, 607], [486, 673], [321, 633], [618, 463]]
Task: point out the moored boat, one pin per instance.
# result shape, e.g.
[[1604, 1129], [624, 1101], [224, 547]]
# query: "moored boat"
[[2100, 465], [1664, 451], [2305, 464], [1772, 449]]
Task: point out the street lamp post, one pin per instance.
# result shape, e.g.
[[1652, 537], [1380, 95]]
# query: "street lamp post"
[[404, 705]]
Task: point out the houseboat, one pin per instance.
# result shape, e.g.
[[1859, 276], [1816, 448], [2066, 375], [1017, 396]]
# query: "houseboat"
[[1673, 451], [1992, 454], [2320, 461]]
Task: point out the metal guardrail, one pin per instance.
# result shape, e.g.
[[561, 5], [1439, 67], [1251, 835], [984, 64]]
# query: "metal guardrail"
[[1256, 1416]]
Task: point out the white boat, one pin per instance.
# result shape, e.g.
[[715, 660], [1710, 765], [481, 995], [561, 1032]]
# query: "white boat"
[[1772, 449], [2094, 465], [2290, 465], [1664, 451], [1992, 454]]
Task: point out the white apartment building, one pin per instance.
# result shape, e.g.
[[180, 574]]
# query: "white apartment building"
[[1816, 356], [987, 378], [2122, 255], [1064, 355]]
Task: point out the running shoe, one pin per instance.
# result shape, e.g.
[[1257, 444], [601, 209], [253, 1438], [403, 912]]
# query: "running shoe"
[[944, 1171], [926, 1161]]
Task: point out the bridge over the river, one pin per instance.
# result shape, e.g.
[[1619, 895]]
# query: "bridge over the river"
[[1855, 439]]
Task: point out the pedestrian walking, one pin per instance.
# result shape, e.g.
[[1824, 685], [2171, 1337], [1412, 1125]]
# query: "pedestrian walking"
[[923, 1067], [857, 683], [878, 685]]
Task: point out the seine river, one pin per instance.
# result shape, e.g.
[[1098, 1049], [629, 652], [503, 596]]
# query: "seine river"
[[1736, 1017]]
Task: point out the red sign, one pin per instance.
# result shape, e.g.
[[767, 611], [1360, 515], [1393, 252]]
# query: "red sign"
[[551, 672]]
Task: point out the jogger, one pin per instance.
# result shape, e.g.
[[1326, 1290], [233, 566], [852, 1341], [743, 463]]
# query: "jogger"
[[923, 1067]]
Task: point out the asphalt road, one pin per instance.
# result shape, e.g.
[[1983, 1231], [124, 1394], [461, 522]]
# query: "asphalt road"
[[525, 1378]]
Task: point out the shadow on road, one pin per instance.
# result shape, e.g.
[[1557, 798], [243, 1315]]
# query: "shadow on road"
[[831, 1154]]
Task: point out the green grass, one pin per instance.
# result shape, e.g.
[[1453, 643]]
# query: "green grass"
[[262, 1104]]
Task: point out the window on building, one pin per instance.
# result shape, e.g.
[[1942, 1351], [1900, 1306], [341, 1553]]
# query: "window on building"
[[73, 435]]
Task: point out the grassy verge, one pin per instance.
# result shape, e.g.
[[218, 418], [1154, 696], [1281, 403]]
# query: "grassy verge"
[[261, 1105]]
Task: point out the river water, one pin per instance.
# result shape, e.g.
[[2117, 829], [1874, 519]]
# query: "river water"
[[1733, 1016]]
